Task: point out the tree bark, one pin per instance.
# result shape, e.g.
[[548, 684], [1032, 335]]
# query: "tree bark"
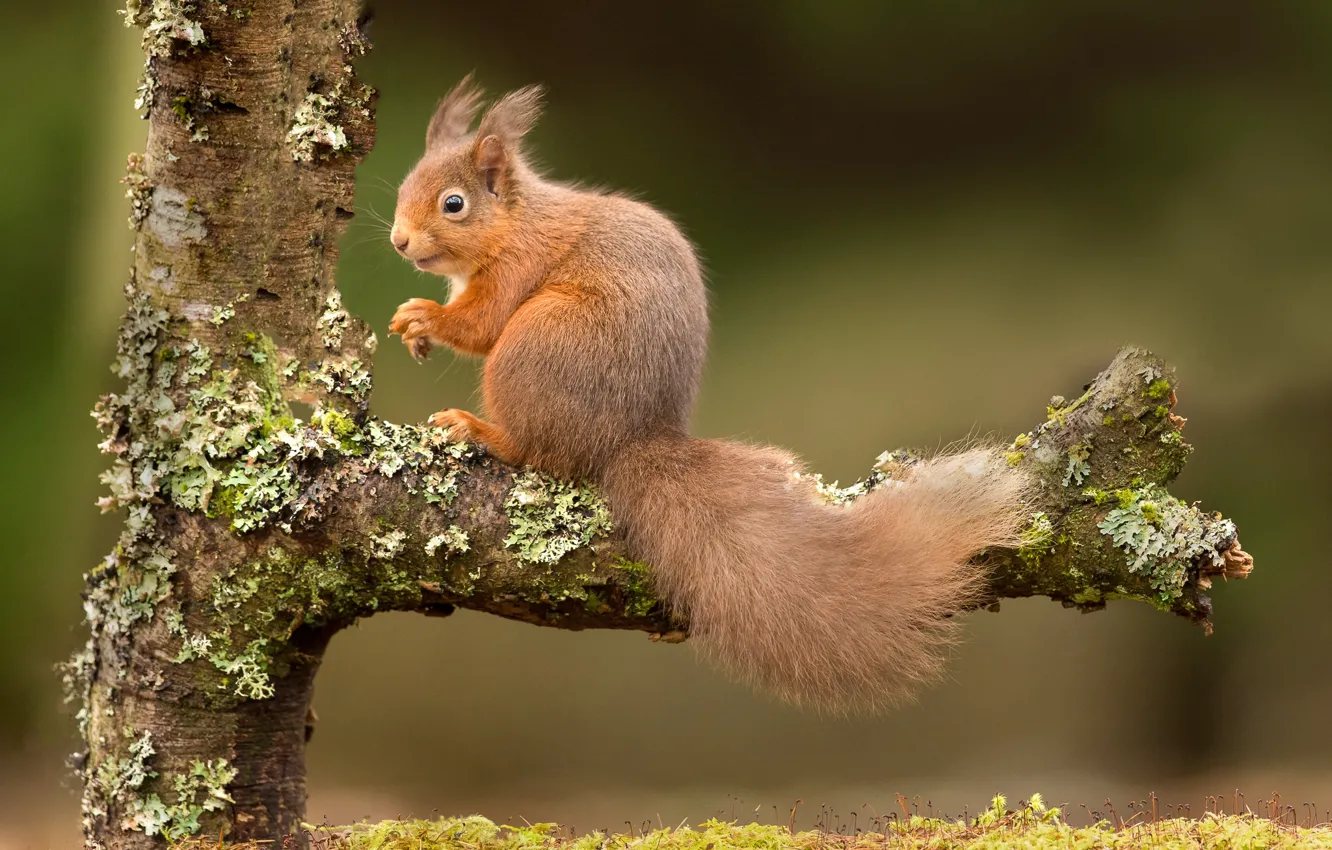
[[251, 536]]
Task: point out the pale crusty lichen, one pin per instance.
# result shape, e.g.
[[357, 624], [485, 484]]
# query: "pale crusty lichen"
[[313, 126], [166, 24], [333, 322], [549, 518], [139, 189], [454, 541], [174, 218], [344, 376], [888, 467], [146, 92], [387, 544]]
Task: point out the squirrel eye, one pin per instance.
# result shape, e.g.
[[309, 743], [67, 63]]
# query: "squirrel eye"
[[453, 204]]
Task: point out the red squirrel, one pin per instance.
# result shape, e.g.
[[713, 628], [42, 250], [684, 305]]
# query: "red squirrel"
[[590, 310]]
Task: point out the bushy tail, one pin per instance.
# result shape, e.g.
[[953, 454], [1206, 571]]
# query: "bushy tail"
[[841, 607]]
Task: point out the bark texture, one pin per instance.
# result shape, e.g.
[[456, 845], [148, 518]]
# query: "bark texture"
[[252, 536]]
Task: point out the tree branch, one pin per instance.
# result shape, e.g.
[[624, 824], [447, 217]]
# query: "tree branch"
[[251, 536]]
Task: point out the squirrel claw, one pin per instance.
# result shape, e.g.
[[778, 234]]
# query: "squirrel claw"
[[419, 347], [412, 321]]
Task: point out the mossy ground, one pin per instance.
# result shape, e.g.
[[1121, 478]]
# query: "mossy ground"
[[1031, 825]]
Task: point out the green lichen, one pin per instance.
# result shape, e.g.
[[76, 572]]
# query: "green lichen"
[[116, 780], [1165, 539], [1078, 469], [343, 376], [121, 781], [203, 789], [549, 518], [222, 313], [245, 669]]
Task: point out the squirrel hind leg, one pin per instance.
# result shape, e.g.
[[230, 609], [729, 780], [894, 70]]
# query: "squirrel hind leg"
[[467, 427]]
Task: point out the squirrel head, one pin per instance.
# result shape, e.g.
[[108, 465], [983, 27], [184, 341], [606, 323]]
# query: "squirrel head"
[[459, 204]]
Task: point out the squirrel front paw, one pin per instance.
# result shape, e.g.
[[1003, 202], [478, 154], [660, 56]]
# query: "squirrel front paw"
[[413, 321], [458, 423]]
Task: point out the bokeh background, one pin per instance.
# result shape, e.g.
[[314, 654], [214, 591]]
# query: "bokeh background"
[[922, 219]]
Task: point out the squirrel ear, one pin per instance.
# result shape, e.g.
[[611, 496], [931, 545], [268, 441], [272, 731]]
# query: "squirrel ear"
[[454, 114], [492, 160], [512, 116]]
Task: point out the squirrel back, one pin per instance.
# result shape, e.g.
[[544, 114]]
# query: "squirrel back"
[[591, 311]]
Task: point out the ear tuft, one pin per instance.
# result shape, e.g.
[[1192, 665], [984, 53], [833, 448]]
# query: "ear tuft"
[[512, 116], [454, 114]]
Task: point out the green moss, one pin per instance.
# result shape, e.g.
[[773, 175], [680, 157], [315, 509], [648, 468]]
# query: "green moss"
[[1037, 539], [636, 582], [1157, 389], [1088, 596], [595, 603], [1058, 411], [1032, 824], [1098, 496]]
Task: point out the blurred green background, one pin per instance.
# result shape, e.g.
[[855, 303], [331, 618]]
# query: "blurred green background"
[[922, 219]]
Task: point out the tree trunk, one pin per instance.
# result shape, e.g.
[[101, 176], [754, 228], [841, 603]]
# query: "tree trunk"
[[251, 536]]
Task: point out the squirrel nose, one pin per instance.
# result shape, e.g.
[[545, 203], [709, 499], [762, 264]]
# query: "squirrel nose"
[[399, 239]]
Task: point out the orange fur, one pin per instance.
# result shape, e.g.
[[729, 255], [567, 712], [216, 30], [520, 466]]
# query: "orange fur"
[[591, 311]]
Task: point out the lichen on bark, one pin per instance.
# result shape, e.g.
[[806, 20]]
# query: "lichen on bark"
[[251, 536]]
